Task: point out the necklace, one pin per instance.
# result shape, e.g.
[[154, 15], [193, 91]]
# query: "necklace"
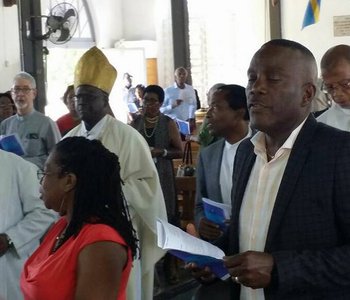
[[154, 128], [152, 120], [59, 241]]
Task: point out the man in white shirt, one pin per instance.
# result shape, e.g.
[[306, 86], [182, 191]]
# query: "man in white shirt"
[[37, 132], [289, 236], [128, 90], [180, 99], [335, 69]]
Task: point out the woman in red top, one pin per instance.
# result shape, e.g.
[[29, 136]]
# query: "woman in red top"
[[71, 119], [88, 253]]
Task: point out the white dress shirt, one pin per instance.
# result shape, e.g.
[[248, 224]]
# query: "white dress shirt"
[[226, 170], [259, 199], [188, 106]]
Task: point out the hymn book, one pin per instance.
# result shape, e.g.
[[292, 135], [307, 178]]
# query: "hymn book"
[[11, 143], [184, 127], [217, 212], [191, 249]]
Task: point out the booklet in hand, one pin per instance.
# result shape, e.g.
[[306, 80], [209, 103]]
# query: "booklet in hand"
[[191, 249], [216, 212], [184, 127], [11, 143], [132, 107]]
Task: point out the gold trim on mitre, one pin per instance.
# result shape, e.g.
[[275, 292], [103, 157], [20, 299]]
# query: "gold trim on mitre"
[[94, 69]]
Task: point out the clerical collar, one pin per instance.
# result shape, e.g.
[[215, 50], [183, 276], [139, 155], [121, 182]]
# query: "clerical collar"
[[23, 117], [95, 131]]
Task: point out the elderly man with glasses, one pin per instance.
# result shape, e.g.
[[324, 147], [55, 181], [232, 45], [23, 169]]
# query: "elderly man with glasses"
[[335, 68], [37, 132]]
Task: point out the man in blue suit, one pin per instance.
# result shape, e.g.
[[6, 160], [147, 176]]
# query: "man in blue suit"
[[289, 236], [228, 118]]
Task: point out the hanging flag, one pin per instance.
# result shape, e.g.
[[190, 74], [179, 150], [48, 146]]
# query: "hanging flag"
[[312, 12]]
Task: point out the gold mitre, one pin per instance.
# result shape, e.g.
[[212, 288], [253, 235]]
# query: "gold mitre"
[[94, 69]]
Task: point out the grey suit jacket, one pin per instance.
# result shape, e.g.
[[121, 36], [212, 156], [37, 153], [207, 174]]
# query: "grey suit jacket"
[[309, 232], [208, 176]]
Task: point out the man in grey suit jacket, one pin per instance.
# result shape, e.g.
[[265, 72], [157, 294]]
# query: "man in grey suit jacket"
[[289, 236], [227, 117]]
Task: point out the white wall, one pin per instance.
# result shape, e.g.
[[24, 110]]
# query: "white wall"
[[9, 46], [138, 19], [116, 20], [164, 39], [223, 39], [108, 21], [317, 37]]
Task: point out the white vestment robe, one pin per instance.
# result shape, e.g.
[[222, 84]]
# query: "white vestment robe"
[[23, 217]]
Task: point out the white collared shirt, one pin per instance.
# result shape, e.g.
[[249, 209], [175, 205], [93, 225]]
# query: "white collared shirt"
[[226, 170], [94, 132], [259, 199], [337, 117], [186, 109]]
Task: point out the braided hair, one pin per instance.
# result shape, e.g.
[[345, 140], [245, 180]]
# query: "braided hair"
[[98, 194]]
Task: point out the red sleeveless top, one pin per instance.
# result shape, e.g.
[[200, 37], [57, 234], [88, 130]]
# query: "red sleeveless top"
[[52, 276]]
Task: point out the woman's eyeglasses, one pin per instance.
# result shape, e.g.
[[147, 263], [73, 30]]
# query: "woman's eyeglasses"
[[150, 101], [41, 174]]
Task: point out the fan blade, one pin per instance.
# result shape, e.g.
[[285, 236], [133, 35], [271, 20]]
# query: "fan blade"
[[65, 35], [69, 13], [54, 22]]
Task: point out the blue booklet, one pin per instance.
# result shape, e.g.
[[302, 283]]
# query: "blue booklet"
[[184, 127], [217, 212], [191, 249], [11, 143]]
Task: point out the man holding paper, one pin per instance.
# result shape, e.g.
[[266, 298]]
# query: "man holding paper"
[[227, 117], [37, 132], [289, 236], [180, 99]]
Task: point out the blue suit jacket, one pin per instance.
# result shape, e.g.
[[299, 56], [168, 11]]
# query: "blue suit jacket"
[[309, 231]]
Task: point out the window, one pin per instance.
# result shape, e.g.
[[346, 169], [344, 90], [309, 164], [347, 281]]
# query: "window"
[[61, 60]]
